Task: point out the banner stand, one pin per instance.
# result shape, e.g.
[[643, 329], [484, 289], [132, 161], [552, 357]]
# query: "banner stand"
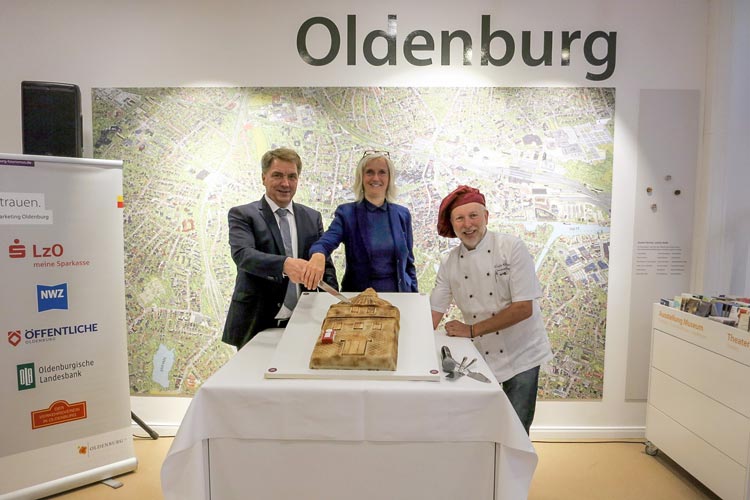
[[63, 357]]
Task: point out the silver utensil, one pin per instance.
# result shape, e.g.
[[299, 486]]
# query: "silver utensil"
[[449, 364], [454, 372], [458, 372], [477, 376], [328, 288]]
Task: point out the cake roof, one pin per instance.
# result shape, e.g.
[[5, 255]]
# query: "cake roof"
[[368, 299]]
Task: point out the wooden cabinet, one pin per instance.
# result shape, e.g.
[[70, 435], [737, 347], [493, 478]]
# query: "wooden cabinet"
[[698, 410]]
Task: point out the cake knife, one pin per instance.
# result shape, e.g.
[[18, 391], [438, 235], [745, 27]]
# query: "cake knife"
[[328, 288]]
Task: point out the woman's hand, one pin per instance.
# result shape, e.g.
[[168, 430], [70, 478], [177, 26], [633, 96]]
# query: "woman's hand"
[[314, 271]]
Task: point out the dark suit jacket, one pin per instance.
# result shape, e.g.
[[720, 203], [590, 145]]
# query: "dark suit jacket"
[[258, 251], [350, 227]]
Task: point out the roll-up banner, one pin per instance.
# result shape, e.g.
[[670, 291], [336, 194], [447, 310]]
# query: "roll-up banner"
[[65, 412]]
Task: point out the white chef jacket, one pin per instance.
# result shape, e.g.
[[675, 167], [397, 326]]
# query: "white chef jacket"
[[486, 280]]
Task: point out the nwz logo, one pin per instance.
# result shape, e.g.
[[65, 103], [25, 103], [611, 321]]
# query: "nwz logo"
[[52, 297]]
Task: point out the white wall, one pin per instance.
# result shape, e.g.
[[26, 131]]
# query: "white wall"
[[723, 234], [662, 44]]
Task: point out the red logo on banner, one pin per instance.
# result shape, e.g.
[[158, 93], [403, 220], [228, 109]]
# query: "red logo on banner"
[[16, 251], [14, 337], [58, 412]]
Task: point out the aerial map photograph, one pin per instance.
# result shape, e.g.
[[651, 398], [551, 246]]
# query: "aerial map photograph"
[[541, 155]]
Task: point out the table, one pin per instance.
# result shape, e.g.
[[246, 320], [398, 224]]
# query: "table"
[[245, 436]]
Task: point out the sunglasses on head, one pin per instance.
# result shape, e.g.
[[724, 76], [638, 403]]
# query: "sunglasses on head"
[[376, 152]]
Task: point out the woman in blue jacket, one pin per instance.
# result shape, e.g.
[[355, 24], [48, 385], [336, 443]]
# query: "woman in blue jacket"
[[376, 234]]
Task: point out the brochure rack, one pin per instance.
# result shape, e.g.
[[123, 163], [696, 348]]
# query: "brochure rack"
[[698, 408]]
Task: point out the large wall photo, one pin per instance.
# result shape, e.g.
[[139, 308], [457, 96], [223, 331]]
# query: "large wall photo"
[[543, 156]]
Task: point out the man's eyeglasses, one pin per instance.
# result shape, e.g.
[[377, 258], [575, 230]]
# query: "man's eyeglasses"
[[376, 152]]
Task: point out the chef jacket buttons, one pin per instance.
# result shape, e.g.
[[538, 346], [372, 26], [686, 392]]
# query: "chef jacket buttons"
[[487, 352], [501, 351], [471, 296], [466, 277], [488, 274], [490, 293]]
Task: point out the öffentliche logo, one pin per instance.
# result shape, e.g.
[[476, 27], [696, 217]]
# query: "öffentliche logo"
[[14, 337]]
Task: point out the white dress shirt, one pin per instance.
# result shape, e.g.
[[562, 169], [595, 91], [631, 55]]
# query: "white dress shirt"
[[284, 312]]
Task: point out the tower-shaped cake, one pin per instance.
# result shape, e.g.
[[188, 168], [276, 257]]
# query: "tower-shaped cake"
[[361, 335]]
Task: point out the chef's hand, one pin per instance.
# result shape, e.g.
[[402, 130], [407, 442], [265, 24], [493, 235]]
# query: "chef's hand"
[[455, 328]]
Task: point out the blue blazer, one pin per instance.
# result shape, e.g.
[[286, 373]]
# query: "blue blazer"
[[258, 251], [350, 227]]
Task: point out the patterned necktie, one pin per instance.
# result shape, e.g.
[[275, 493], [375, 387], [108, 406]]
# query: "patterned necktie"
[[290, 299]]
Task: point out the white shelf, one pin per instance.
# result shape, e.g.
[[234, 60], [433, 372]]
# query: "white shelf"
[[698, 408]]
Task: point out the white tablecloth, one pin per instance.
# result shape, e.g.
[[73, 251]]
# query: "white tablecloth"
[[238, 402]]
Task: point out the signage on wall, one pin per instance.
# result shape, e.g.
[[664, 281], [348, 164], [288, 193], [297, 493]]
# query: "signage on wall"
[[419, 46]]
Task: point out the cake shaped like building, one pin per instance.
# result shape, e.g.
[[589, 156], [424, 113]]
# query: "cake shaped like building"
[[361, 335]]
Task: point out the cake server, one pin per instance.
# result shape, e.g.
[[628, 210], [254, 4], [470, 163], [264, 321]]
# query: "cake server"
[[328, 288], [477, 376]]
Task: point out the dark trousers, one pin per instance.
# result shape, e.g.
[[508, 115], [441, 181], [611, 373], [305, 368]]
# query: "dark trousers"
[[521, 391]]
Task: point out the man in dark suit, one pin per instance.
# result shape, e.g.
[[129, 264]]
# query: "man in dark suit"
[[270, 239]]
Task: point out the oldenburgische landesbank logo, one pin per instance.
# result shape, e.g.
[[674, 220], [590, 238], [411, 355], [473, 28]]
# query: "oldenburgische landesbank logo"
[[25, 376]]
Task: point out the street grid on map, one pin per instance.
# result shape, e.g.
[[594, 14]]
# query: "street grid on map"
[[542, 157]]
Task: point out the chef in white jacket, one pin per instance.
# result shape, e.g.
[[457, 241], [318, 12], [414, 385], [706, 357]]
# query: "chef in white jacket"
[[490, 276]]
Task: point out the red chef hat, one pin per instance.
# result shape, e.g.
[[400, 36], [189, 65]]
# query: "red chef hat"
[[460, 196]]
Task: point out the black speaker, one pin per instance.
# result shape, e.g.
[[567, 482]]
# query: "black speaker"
[[51, 119]]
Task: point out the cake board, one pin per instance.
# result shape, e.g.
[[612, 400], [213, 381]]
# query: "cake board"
[[417, 355]]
